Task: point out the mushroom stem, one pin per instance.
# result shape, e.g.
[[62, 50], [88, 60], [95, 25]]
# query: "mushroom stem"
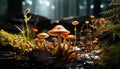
[[59, 45], [59, 41], [75, 29], [44, 41], [64, 43], [69, 43]]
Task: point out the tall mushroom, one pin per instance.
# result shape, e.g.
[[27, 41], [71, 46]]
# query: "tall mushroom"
[[75, 29], [57, 31]]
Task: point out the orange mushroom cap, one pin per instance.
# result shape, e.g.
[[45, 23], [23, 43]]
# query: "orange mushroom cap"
[[75, 22], [71, 37], [64, 35], [57, 30], [43, 35]]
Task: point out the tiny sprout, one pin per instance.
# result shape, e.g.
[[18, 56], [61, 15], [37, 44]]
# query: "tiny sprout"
[[25, 15]]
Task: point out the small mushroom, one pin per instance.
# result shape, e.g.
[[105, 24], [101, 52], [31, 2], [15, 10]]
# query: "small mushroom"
[[43, 35], [70, 37], [64, 35]]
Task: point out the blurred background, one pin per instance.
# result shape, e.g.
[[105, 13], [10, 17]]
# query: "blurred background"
[[48, 11], [54, 9]]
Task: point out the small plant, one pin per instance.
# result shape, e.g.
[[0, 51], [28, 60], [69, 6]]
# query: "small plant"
[[22, 41]]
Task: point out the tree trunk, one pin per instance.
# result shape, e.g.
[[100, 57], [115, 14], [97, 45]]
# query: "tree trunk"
[[14, 7], [97, 8]]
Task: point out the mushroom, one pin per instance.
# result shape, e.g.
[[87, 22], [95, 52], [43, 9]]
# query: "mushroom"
[[70, 37], [57, 31], [64, 35], [75, 29], [43, 36]]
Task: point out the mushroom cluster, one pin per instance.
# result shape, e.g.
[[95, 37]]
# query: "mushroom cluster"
[[64, 51]]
